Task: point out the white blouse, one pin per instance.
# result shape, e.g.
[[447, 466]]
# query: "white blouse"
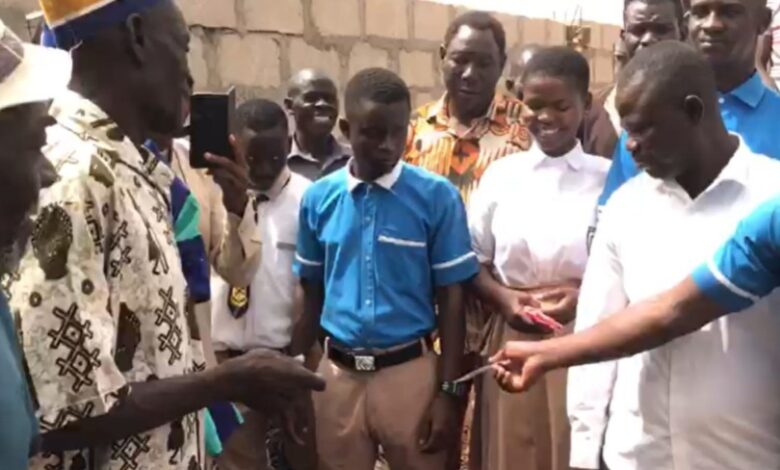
[[530, 215]]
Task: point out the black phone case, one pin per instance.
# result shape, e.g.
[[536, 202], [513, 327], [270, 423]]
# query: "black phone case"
[[211, 123]]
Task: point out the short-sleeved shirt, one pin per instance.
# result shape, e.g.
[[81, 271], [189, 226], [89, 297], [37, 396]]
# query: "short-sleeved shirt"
[[381, 248], [750, 110], [440, 144], [747, 267], [100, 295], [19, 424]]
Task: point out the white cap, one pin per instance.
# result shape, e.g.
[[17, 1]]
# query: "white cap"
[[30, 73]]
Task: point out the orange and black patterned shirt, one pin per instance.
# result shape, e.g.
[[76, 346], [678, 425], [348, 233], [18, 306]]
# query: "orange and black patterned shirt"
[[440, 144]]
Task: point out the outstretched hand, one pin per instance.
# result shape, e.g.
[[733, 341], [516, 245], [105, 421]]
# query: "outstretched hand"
[[267, 380], [518, 366]]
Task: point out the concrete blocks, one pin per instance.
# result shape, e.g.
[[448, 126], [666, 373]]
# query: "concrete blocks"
[[534, 31], [209, 13], [417, 68], [302, 56], [387, 19], [252, 60], [430, 20], [197, 60], [283, 16], [363, 56], [336, 17]]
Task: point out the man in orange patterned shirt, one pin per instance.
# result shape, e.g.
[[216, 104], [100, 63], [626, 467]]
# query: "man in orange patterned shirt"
[[466, 130], [471, 126]]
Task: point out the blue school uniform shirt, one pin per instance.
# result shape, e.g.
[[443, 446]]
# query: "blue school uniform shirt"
[[751, 110], [381, 248], [747, 266], [18, 425]]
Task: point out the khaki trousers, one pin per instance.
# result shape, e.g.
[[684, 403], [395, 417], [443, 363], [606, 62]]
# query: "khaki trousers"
[[529, 431], [359, 411]]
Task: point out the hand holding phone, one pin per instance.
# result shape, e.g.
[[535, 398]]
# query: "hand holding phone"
[[211, 123], [232, 176]]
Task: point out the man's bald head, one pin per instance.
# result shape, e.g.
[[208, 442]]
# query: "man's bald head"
[[668, 72], [517, 61], [668, 104], [304, 78]]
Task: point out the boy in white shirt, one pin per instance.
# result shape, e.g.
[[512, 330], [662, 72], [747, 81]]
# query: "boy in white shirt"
[[261, 315], [529, 221]]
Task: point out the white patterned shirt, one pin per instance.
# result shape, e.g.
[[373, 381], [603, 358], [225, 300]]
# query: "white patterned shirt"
[[100, 296]]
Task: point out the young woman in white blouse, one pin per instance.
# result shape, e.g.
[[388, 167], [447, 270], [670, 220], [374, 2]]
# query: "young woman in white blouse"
[[529, 221]]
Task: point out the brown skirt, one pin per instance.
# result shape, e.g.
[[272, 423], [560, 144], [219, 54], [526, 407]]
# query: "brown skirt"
[[529, 431]]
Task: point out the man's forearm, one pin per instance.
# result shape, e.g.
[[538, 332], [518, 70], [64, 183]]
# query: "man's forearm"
[[641, 327], [305, 329], [238, 257], [148, 405], [452, 331]]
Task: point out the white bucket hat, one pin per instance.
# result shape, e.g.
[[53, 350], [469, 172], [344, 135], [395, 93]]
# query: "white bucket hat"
[[30, 73]]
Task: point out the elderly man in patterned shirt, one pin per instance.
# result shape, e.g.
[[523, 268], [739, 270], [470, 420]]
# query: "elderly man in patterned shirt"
[[468, 128], [114, 361]]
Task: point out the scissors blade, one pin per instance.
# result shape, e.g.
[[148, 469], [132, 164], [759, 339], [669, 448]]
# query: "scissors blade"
[[475, 373]]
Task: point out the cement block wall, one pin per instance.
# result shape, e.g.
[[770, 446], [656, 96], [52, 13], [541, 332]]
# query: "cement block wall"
[[257, 44]]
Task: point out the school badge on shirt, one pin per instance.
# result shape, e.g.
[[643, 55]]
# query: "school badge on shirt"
[[238, 301]]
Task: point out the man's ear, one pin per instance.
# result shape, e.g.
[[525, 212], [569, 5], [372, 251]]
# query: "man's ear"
[[136, 37], [288, 102], [442, 51], [344, 128], [764, 20], [588, 101], [694, 108]]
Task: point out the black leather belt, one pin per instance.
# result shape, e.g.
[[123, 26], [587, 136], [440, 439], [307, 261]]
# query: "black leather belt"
[[371, 361]]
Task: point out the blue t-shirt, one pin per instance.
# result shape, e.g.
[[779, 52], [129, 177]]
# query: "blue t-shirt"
[[381, 248], [747, 266], [751, 110], [18, 425]]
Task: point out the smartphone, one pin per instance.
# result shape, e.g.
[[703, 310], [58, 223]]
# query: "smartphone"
[[211, 123]]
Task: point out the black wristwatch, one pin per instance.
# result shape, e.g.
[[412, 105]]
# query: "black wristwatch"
[[456, 390]]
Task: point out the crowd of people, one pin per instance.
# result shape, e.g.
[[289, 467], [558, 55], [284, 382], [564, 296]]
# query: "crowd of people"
[[336, 293]]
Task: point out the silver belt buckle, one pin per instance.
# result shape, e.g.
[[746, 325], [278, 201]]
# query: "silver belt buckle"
[[365, 363]]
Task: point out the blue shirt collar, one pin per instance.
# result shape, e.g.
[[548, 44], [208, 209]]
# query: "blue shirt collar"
[[751, 91]]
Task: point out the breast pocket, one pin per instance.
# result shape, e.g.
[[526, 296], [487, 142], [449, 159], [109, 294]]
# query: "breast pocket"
[[402, 260]]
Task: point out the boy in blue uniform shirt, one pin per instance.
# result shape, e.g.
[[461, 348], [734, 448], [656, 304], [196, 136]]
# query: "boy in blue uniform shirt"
[[382, 248]]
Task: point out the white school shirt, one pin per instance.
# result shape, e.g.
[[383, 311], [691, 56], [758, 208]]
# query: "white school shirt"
[[530, 215], [705, 401], [269, 319]]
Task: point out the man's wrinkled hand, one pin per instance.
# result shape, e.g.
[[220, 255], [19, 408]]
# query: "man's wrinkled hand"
[[266, 379], [439, 427], [232, 176]]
